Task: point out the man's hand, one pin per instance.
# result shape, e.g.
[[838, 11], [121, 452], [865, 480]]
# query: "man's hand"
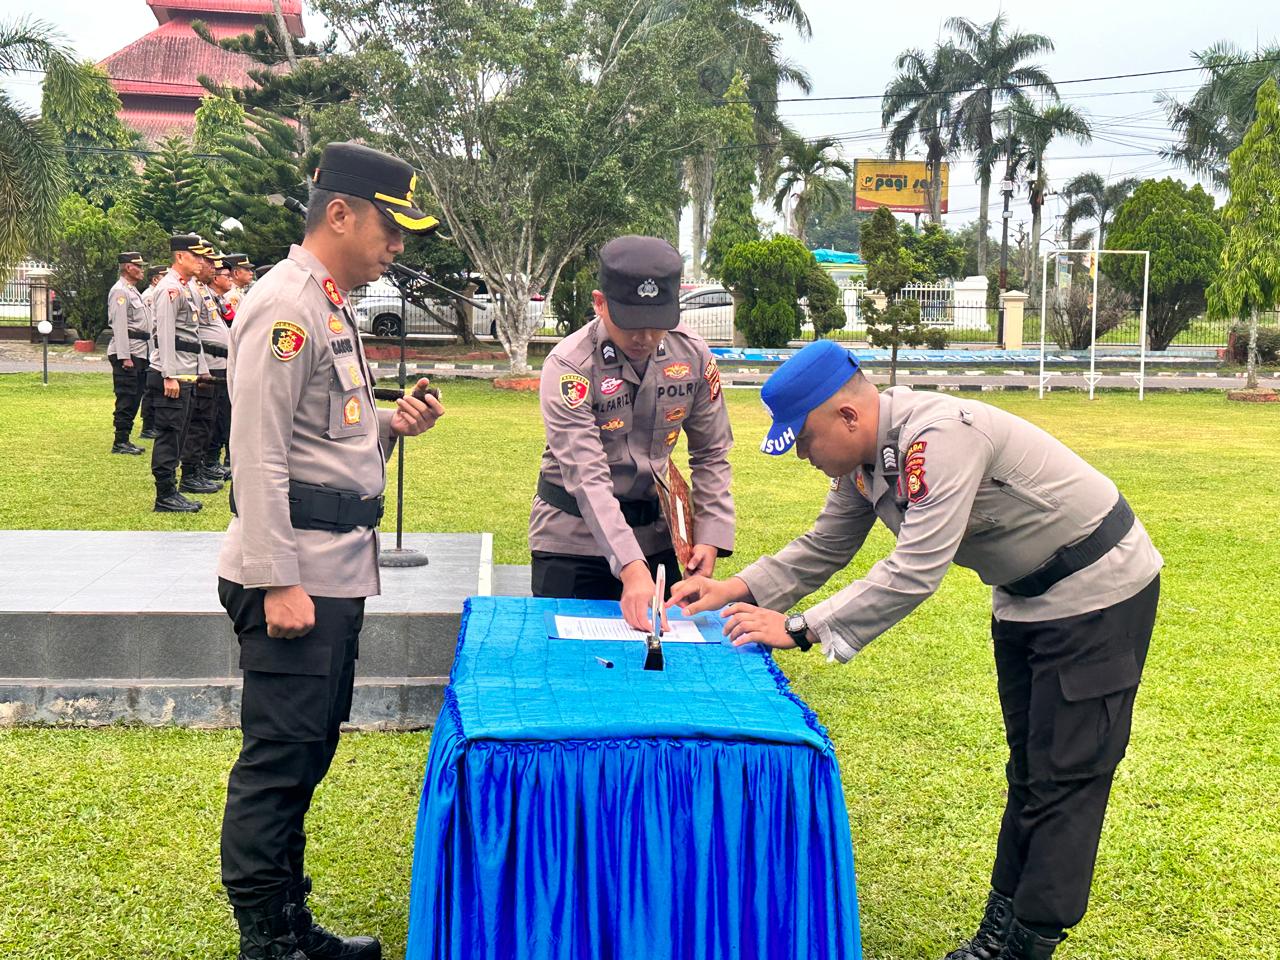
[[637, 595], [290, 611], [171, 388], [414, 416], [696, 594], [748, 623], [128, 363], [702, 561]]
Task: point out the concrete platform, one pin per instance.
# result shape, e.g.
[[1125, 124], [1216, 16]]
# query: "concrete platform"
[[99, 627]]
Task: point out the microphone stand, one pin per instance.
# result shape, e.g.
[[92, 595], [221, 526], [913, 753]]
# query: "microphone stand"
[[401, 276]]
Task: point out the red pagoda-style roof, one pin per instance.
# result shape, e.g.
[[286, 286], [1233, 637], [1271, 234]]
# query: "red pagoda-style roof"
[[157, 75]]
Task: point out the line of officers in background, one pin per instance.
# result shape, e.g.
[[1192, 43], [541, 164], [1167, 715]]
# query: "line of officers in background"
[[168, 355]]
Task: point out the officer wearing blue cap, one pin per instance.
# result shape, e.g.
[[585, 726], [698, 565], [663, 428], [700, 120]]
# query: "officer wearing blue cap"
[[1075, 578]]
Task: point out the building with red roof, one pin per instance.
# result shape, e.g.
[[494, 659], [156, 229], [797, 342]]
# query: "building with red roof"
[[156, 75]]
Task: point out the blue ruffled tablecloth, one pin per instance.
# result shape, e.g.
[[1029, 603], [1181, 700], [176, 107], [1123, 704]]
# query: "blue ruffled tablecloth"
[[574, 812]]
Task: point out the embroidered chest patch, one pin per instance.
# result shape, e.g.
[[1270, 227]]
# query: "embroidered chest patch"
[[287, 339], [614, 424], [351, 411], [675, 371], [610, 385], [335, 324]]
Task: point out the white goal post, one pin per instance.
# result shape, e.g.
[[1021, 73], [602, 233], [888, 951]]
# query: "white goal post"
[[1092, 377]]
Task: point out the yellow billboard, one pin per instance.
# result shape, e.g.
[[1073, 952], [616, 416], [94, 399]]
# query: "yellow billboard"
[[900, 185]]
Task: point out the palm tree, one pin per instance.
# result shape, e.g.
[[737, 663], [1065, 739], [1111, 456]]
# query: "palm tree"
[[1213, 122], [32, 161], [1090, 197], [806, 172], [990, 60], [918, 103], [1033, 130]]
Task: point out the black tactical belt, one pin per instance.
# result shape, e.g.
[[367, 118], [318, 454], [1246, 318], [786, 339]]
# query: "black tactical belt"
[[323, 508], [637, 513], [139, 335], [186, 346], [1074, 557], [215, 350]]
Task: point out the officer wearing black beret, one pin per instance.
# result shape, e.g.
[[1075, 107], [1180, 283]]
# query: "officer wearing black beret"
[[308, 466]]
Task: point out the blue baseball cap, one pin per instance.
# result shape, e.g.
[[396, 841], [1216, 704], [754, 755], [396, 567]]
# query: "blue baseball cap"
[[806, 381]]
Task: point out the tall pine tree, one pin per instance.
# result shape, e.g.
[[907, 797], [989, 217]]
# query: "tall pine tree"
[[176, 192]]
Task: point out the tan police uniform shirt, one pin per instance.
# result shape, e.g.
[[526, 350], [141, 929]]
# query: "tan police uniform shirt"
[[234, 296], [176, 314], [977, 486], [213, 330], [304, 410], [126, 311], [608, 429]]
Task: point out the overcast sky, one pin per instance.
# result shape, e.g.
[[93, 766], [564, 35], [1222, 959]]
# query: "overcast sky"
[[854, 45]]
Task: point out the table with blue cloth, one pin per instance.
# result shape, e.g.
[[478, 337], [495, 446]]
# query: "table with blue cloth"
[[571, 810]]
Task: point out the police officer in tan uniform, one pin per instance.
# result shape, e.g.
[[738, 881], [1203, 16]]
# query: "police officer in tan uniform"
[[216, 339], [241, 281], [196, 478], [177, 360], [1075, 583], [615, 397], [130, 323], [154, 274], [308, 470]]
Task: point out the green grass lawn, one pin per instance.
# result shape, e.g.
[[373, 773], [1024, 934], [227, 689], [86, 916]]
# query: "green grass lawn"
[[109, 838]]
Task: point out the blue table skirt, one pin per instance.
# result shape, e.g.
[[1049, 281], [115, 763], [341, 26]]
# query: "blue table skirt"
[[628, 846]]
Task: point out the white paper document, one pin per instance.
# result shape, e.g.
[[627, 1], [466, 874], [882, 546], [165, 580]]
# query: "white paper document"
[[615, 628]]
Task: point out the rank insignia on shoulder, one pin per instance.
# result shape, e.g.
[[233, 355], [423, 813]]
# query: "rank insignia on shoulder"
[[835, 483], [614, 424], [675, 371], [287, 339], [335, 324], [712, 375], [331, 291], [609, 353], [662, 348], [351, 411], [574, 388], [610, 385]]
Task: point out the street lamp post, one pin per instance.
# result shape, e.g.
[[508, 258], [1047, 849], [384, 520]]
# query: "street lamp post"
[[44, 328]]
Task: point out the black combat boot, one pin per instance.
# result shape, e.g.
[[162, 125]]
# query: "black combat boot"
[[992, 933], [1024, 944], [317, 942], [124, 446], [174, 502], [193, 481], [149, 433], [267, 935]]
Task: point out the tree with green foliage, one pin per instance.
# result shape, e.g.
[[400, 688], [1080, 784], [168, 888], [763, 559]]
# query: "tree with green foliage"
[[218, 120], [837, 227], [100, 149], [84, 253], [1034, 128], [33, 174], [770, 276], [806, 179], [1184, 234], [890, 267], [826, 309], [1248, 282], [571, 303], [734, 221], [176, 191], [1213, 122], [991, 72], [1090, 197], [918, 103], [936, 252], [547, 128]]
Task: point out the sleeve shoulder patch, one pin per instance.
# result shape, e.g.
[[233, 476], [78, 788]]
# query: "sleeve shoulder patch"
[[574, 389], [287, 340], [917, 487], [711, 373]]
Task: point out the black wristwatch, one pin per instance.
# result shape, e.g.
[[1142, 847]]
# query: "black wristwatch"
[[798, 630]]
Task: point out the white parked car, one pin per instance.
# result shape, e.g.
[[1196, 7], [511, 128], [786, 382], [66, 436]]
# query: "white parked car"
[[708, 312], [378, 311]]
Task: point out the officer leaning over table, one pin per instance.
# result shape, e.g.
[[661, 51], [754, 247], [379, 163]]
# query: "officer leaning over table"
[[615, 397], [1076, 581], [309, 453]]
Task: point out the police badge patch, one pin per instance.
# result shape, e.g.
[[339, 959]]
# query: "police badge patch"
[[335, 324], [610, 385], [287, 339], [351, 411], [712, 375], [917, 489], [574, 389]]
